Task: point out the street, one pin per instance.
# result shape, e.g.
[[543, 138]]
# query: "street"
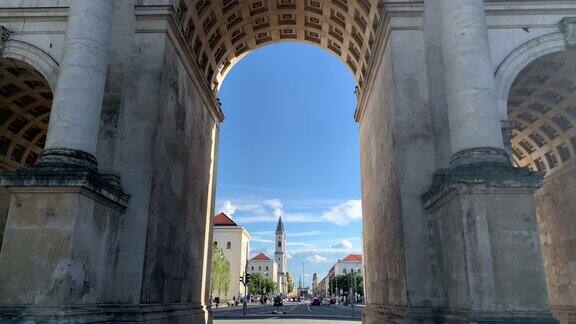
[[291, 310]]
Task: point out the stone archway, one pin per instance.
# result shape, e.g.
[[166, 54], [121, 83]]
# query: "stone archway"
[[542, 107], [221, 32], [25, 103]]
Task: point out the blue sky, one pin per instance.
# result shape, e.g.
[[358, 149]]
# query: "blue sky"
[[289, 146]]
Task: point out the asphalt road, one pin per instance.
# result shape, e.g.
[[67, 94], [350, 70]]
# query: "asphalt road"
[[290, 311]]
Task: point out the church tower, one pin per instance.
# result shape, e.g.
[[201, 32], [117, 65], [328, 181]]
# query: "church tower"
[[280, 256]]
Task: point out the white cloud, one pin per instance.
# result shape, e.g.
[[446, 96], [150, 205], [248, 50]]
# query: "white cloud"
[[261, 240], [274, 203], [252, 208], [317, 258], [344, 213], [303, 244], [309, 233], [344, 244], [227, 208], [288, 255]]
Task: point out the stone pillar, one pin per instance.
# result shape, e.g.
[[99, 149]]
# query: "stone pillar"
[[470, 86], [75, 117], [60, 248], [489, 256]]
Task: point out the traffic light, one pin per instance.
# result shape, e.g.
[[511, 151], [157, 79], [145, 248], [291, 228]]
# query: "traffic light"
[[242, 279], [247, 278]]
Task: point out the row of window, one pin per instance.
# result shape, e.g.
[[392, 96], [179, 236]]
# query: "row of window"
[[259, 268], [228, 245], [344, 271]]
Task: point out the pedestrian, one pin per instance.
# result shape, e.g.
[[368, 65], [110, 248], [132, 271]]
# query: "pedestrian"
[[217, 301]]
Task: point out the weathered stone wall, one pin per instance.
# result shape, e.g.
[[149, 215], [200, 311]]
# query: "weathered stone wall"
[[127, 138], [395, 133], [180, 189], [381, 205], [555, 206]]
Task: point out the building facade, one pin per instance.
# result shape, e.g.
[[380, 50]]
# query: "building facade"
[[110, 122], [352, 263], [263, 265], [234, 240]]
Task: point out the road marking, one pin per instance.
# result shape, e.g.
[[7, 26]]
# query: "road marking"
[[292, 308]]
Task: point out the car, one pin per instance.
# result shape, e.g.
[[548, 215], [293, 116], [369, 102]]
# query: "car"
[[326, 301], [278, 301], [332, 301], [316, 302]]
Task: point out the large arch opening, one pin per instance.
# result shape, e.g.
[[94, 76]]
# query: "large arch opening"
[[25, 103], [289, 150], [542, 107], [221, 33]]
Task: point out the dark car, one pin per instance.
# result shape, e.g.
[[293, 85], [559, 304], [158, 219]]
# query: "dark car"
[[316, 302], [278, 301], [332, 301]]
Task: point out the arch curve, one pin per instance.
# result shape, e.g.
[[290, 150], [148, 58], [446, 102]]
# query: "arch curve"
[[27, 77], [219, 33], [45, 64], [519, 59]]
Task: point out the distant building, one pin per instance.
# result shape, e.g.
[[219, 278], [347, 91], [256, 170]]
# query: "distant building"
[[352, 263], [314, 280], [265, 266], [234, 240], [280, 257]]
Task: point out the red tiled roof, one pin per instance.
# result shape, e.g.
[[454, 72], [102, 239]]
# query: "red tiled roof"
[[261, 257], [353, 258], [223, 220]]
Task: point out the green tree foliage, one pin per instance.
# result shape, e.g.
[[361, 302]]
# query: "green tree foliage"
[[344, 283], [260, 286], [220, 279], [289, 283]]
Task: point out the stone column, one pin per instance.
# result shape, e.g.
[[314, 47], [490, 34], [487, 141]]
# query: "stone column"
[[490, 265], [476, 134], [75, 117], [63, 225]]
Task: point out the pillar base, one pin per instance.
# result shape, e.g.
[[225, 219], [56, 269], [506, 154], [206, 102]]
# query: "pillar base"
[[565, 315], [61, 238], [381, 314], [108, 313], [490, 262]]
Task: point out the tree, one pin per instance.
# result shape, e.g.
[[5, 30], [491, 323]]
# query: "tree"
[[344, 283], [220, 279], [289, 283], [260, 286]]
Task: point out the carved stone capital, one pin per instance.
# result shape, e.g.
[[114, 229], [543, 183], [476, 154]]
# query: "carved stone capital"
[[4, 36], [568, 28], [61, 167], [487, 174]]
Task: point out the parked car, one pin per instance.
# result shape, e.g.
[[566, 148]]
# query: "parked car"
[[326, 301], [332, 301], [316, 302]]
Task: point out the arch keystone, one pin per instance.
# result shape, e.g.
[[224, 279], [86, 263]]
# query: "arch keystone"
[[568, 28]]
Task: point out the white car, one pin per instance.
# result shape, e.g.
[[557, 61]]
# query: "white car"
[[326, 301]]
